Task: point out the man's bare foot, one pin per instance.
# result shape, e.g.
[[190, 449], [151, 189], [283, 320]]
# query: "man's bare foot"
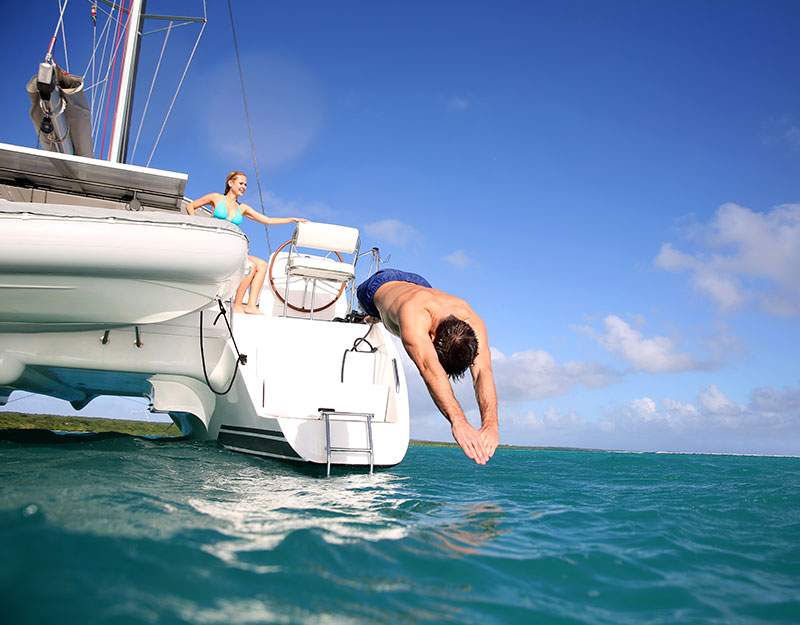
[[253, 311], [237, 308]]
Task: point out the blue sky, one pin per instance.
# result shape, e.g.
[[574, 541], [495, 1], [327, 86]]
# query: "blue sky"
[[612, 185]]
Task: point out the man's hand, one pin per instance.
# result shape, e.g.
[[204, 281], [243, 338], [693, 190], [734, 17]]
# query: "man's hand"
[[490, 438], [471, 441]]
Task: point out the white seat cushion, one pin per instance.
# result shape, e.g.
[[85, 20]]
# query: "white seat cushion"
[[326, 237], [322, 268]]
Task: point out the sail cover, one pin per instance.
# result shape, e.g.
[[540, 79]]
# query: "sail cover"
[[59, 97]]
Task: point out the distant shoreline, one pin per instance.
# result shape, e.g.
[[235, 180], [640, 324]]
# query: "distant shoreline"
[[61, 423]]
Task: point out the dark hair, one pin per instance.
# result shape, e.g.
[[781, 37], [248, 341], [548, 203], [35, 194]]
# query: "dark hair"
[[456, 346]]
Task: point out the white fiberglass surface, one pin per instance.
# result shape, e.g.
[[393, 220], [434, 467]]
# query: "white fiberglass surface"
[[65, 172]]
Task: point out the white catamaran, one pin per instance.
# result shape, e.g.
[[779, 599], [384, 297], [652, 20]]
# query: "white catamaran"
[[108, 287]]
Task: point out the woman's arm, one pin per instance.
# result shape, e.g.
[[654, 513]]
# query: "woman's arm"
[[206, 200], [253, 214]]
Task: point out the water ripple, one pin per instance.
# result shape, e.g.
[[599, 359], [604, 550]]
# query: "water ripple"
[[135, 531]]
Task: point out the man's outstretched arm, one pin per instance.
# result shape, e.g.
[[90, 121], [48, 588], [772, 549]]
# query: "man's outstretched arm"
[[421, 351], [486, 395], [485, 391]]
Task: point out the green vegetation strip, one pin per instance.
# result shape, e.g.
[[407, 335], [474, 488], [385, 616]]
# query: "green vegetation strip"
[[56, 423]]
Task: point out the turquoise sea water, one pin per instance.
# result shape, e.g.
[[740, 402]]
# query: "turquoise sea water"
[[133, 530]]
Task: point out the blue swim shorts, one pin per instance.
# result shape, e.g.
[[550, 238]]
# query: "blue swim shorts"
[[366, 290]]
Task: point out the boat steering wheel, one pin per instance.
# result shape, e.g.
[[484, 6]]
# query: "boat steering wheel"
[[289, 304]]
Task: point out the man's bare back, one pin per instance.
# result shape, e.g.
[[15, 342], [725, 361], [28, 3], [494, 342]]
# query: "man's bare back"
[[414, 313], [404, 303]]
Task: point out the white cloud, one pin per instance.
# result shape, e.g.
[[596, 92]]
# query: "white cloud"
[[781, 131], [654, 355], [679, 410], [714, 402], [458, 103], [550, 420], [393, 231], [644, 409], [720, 343], [745, 258], [770, 402], [535, 374], [768, 424], [459, 259], [520, 377]]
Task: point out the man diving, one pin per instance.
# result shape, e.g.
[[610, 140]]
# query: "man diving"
[[444, 337]]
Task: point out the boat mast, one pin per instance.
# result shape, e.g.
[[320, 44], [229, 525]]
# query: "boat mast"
[[122, 117]]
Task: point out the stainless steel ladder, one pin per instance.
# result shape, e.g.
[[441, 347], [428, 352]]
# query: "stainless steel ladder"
[[353, 417]]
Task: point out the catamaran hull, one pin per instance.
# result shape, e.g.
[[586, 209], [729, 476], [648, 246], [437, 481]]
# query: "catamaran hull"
[[271, 409], [74, 267]]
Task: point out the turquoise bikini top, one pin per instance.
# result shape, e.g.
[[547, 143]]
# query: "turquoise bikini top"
[[221, 212]]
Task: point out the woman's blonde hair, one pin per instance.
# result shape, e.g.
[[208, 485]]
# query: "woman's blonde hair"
[[230, 177]]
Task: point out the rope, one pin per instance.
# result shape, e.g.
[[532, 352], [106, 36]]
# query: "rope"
[[186, 69], [249, 126], [150, 93], [241, 359], [11, 401], [356, 343]]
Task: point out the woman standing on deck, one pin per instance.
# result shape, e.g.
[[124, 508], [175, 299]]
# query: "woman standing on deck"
[[227, 206]]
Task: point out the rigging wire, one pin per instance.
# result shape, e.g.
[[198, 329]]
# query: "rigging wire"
[[59, 24], [96, 81], [249, 126], [150, 93], [186, 69], [105, 61], [94, 48], [113, 64], [110, 19], [95, 45], [63, 34], [102, 64], [121, 68]]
